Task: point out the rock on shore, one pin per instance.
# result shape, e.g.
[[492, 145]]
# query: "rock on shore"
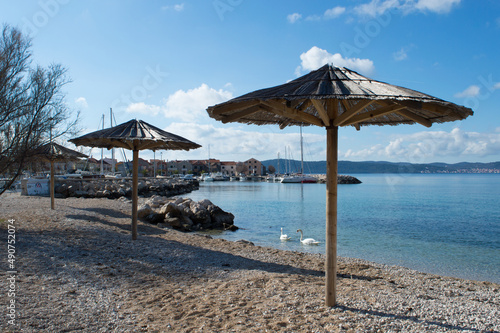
[[186, 214]]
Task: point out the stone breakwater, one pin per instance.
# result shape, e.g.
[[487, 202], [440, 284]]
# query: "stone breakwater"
[[341, 179], [185, 214], [345, 179], [122, 187]]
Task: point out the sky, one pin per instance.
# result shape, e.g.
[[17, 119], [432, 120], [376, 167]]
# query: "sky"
[[166, 61]]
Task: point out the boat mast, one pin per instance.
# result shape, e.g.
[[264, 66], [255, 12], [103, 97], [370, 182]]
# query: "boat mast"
[[278, 163], [286, 165], [112, 149], [102, 150], [301, 152], [209, 163]]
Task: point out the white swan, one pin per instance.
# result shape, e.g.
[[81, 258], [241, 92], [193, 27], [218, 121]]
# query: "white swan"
[[284, 237], [307, 241]]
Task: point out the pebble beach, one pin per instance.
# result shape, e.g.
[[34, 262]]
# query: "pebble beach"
[[78, 270]]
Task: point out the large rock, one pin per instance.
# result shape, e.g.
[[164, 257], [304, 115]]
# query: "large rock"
[[171, 209], [182, 223], [155, 218], [144, 210], [200, 214], [205, 203], [219, 218], [187, 215]]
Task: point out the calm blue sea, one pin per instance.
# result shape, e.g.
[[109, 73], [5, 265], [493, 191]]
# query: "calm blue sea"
[[437, 223]]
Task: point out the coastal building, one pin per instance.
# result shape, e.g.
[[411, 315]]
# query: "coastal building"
[[228, 168], [199, 166], [179, 167], [214, 165], [126, 167], [93, 165], [254, 167], [160, 166], [111, 162]]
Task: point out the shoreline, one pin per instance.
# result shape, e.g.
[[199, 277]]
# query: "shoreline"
[[78, 269]]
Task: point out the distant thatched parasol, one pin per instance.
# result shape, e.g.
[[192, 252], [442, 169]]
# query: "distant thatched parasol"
[[331, 97], [53, 152], [135, 135]]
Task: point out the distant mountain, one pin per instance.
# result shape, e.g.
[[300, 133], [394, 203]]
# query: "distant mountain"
[[348, 167]]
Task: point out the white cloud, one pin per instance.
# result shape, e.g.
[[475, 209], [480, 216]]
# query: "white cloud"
[[187, 105], [432, 146], [292, 18], [471, 91], [82, 102], [317, 57], [313, 18], [190, 105], [379, 7], [436, 6], [496, 86], [329, 14], [334, 12], [376, 7], [143, 108], [177, 7], [400, 55], [241, 142]]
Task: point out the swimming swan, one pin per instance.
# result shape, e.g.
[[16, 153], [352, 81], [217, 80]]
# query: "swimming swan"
[[307, 241], [284, 237]]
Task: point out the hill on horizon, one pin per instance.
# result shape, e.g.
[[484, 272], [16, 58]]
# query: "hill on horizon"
[[346, 167]]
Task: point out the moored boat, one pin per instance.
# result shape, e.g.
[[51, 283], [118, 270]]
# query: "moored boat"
[[299, 178]]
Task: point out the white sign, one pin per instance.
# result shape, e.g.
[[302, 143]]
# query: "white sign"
[[37, 186]]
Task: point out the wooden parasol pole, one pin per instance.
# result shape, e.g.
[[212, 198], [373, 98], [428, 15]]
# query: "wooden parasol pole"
[[331, 215], [135, 181], [52, 184]]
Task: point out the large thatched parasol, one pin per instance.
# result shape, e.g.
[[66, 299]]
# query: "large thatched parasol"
[[331, 97], [135, 135], [53, 152]]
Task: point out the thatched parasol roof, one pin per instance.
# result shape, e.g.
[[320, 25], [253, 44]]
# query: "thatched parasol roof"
[[55, 152], [353, 98], [135, 135]]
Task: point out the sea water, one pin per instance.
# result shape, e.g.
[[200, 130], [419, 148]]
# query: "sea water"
[[446, 224]]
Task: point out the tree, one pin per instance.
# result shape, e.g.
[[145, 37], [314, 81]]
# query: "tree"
[[271, 169], [241, 167], [32, 107]]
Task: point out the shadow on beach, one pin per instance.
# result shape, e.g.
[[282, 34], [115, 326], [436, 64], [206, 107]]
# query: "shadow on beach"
[[145, 256], [93, 246]]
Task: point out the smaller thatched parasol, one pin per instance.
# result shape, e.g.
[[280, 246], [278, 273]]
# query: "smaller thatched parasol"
[[53, 152], [135, 135]]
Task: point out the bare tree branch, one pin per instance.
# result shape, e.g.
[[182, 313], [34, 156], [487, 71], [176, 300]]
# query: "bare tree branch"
[[32, 105]]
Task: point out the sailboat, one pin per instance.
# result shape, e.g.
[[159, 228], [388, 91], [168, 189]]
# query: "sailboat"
[[276, 178], [300, 178], [208, 177]]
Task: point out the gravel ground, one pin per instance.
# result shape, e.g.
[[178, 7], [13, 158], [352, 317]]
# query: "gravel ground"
[[79, 271]]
